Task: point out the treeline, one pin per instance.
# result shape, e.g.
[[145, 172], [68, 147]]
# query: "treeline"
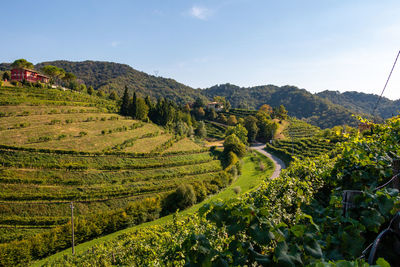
[[163, 112], [299, 103]]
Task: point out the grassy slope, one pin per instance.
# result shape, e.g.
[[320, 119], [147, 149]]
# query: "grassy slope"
[[250, 178]]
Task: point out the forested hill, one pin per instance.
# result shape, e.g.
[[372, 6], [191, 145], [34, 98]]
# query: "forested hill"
[[363, 103], [108, 76], [299, 102]]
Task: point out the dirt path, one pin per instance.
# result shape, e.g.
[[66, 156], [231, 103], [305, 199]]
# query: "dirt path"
[[279, 165]]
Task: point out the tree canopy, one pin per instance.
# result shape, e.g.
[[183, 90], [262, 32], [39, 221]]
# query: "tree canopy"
[[22, 63]]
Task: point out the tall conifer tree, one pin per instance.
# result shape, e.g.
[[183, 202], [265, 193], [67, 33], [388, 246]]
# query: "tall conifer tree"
[[125, 103]]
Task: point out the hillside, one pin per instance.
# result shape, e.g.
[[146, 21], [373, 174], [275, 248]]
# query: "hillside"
[[298, 219], [325, 109], [299, 103], [108, 76], [58, 147], [363, 103]]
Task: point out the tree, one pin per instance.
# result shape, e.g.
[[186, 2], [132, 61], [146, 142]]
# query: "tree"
[[201, 130], [90, 90], [54, 72], [267, 129], [6, 76], [222, 118], [232, 120], [125, 103], [280, 112], [239, 131], [212, 115], [250, 123], [267, 109], [100, 93], [187, 108], [22, 63], [132, 108], [200, 113], [141, 109], [199, 103], [82, 87], [183, 197], [233, 144], [113, 95], [68, 77]]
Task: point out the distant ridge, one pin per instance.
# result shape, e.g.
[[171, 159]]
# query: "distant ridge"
[[324, 109], [109, 76]]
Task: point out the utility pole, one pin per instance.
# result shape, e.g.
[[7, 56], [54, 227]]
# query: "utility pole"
[[72, 225]]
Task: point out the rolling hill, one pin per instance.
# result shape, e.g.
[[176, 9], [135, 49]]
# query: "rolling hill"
[[299, 103], [325, 109], [363, 103], [109, 76], [58, 147]]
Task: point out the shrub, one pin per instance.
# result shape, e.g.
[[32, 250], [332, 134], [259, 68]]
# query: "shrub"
[[237, 189], [183, 197], [82, 134], [233, 144]]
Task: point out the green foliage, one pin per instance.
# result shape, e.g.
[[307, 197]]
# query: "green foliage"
[[240, 131], [298, 102], [6, 76], [90, 90], [295, 219], [22, 63], [250, 123], [108, 76], [183, 197], [201, 130], [233, 144]]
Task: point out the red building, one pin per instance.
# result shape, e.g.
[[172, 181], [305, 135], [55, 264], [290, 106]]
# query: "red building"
[[28, 75]]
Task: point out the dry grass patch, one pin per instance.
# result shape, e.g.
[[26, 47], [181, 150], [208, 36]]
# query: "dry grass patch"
[[183, 145], [146, 145]]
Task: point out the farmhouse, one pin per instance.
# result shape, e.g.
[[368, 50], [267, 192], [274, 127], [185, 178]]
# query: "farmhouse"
[[20, 74], [216, 106]]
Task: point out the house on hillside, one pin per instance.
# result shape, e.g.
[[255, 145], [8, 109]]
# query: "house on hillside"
[[21, 74], [217, 106]]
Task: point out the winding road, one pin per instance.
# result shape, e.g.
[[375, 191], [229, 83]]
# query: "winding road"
[[279, 164]]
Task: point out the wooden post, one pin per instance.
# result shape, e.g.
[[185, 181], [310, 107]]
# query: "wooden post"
[[348, 200], [396, 170], [72, 225]]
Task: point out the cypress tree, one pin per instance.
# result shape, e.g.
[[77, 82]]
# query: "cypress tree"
[[132, 109], [125, 103]]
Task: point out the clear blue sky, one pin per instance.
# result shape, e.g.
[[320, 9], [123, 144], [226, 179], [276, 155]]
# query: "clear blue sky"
[[317, 45]]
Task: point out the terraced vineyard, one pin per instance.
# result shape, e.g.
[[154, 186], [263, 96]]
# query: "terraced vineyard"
[[60, 147], [215, 130], [300, 129], [240, 113], [300, 148]]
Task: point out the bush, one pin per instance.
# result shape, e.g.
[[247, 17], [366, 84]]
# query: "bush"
[[233, 144], [183, 197], [237, 189]]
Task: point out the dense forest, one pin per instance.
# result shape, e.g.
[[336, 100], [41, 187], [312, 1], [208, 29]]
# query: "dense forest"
[[298, 102], [363, 103], [109, 76]]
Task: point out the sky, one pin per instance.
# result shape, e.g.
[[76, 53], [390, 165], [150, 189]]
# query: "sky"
[[343, 45]]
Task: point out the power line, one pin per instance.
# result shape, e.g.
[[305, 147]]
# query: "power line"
[[387, 81]]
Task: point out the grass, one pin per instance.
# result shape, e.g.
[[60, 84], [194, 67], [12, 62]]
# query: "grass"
[[251, 177], [183, 145], [145, 145]]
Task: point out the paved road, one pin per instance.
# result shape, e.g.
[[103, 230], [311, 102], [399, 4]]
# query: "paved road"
[[279, 165]]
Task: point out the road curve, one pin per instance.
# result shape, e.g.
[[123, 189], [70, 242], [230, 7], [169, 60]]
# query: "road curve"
[[279, 164]]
